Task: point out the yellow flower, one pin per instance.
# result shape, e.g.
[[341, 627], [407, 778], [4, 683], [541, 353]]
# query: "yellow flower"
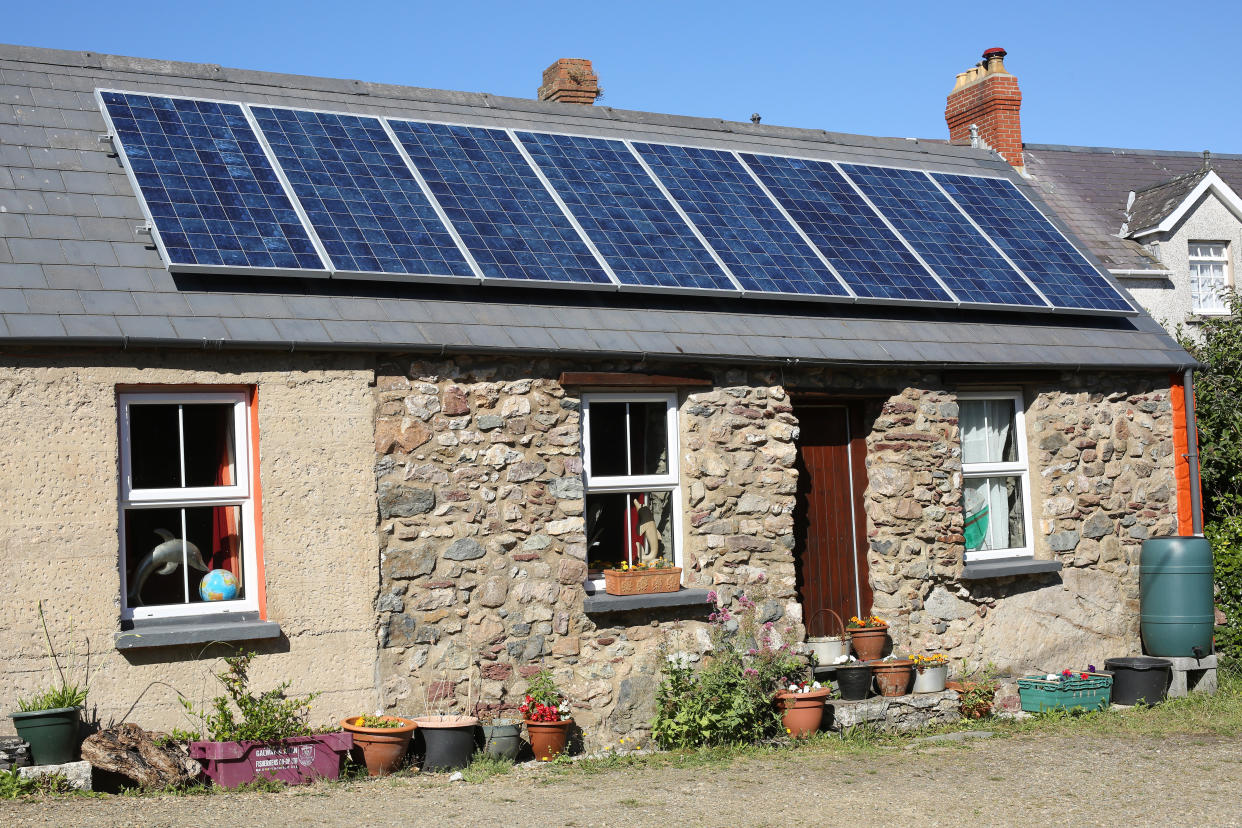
[[787, 730]]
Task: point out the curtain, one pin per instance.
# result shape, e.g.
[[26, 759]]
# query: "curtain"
[[985, 434], [225, 553]]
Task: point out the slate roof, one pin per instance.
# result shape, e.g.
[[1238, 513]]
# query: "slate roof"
[[1152, 205], [73, 269], [1089, 187]]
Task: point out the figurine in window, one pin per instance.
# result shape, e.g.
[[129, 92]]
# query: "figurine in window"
[[649, 538], [165, 559]]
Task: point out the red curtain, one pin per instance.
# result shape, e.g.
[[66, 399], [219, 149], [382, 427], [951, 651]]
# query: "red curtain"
[[225, 552]]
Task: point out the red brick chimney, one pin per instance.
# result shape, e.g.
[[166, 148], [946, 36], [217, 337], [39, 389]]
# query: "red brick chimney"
[[570, 80], [987, 96]]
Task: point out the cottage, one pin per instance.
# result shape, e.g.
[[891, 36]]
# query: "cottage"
[[374, 380]]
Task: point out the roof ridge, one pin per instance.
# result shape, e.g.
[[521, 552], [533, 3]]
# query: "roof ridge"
[[1130, 151], [1177, 179]]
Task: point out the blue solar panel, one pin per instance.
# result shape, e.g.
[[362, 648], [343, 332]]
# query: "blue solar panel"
[[946, 240], [633, 225], [1027, 237], [848, 232], [213, 194], [359, 195], [737, 218], [503, 213]]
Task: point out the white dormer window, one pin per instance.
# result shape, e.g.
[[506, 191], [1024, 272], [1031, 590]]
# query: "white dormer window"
[[1210, 277]]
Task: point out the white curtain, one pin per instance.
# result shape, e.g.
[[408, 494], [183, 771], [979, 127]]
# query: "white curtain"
[[985, 428]]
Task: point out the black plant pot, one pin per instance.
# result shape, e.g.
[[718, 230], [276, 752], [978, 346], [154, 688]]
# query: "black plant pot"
[[502, 739], [854, 681], [444, 748]]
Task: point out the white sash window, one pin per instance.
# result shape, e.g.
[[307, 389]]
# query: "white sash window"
[[995, 476]]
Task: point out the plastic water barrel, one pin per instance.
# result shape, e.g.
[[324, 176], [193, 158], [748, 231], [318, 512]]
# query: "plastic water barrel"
[[1175, 584]]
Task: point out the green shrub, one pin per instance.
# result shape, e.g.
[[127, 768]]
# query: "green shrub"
[[267, 717], [1226, 538]]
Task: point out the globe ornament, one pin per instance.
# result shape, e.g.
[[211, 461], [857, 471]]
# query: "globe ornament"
[[218, 585]]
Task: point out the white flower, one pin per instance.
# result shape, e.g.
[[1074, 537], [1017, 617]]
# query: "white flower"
[[379, 713], [816, 686], [844, 659], [793, 688], [1051, 677]]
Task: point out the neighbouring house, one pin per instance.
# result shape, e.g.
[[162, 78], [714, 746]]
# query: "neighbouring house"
[[1167, 225], [403, 369]]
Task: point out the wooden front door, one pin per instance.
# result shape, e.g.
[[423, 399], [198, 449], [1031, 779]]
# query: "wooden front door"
[[829, 522]]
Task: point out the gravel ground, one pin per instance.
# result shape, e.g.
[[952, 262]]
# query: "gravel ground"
[[1025, 780]]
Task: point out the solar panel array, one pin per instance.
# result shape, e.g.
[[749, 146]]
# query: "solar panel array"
[[242, 188]]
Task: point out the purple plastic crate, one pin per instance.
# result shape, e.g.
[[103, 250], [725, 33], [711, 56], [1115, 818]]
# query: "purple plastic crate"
[[294, 761]]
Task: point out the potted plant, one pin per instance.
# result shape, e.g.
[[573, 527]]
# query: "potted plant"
[[642, 578], [867, 636], [266, 738], [930, 672], [853, 677], [446, 740], [828, 648], [974, 696], [802, 707], [49, 719], [382, 740], [547, 716], [892, 675], [501, 737]]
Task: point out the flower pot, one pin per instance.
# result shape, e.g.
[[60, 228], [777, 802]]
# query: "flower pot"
[[801, 713], [930, 679], [828, 648], [892, 677], [547, 739], [642, 581], [975, 709], [447, 741], [854, 681], [868, 642], [52, 734], [382, 748], [502, 739], [294, 761]]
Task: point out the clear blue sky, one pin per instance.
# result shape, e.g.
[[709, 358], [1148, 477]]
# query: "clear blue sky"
[[1139, 74]]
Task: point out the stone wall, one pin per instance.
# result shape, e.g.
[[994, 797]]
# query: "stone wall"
[[59, 470]]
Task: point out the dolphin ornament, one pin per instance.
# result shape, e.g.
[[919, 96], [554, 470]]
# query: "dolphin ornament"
[[165, 559]]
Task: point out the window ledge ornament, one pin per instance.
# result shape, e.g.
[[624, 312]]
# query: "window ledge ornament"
[[199, 629]]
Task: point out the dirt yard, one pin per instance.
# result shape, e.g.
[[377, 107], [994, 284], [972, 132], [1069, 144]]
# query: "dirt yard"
[[1027, 780]]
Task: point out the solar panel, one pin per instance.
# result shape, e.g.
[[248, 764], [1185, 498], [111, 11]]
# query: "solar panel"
[[1047, 257], [946, 239], [211, 192], [870, 258], [633, 225], [737, 218], [508, 221], [361, 198]]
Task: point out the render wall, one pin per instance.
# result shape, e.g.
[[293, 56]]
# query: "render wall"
[[483, 545], [59, 469]]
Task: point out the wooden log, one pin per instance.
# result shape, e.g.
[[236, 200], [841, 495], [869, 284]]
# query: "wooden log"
[[130, 751]]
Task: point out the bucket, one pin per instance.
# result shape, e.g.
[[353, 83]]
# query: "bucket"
[[1139, 679], [828, 648]]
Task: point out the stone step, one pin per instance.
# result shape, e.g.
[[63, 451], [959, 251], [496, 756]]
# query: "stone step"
[[895, 714]]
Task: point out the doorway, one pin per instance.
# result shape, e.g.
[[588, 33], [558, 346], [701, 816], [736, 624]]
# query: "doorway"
[[830, 524]]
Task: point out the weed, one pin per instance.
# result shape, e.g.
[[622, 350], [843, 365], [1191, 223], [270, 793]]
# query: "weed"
[[483, 767]]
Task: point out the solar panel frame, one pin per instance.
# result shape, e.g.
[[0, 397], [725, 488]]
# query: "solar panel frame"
[[324, 270], [1064, 235], [899, 225]]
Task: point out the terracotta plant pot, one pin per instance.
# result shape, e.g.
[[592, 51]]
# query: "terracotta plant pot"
[[978, 709], [382, 748], [892, 677], [801, 713], [868, 642], [547, 739]]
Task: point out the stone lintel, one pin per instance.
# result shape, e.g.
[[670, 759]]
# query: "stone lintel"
[[243, 626], [600, 602], [1006, 567]]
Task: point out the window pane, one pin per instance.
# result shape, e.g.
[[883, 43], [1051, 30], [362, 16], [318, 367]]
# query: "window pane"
[[648, 438], [155, 446], [629, 527], [988, 435], [608, 458], [994, 519], [156, 559], [208, 444]]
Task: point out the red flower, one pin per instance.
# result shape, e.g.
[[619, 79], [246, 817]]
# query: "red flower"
[[1083, 675]]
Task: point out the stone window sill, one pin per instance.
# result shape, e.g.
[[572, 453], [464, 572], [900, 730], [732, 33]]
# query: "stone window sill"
[[170, 632], [1005, 567], [600, 602]]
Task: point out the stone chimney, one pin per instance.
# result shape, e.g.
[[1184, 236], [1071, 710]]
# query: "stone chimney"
[[570, 80], [987, 96]]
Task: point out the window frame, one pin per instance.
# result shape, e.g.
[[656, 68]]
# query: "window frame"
[[242, 493], [1224, 259], [614, 484], [1021, 468]]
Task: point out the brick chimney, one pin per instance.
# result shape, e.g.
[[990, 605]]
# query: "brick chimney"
[[987, 96], [570, 80]]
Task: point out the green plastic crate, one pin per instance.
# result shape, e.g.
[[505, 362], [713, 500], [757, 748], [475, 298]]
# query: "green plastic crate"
[[1091, 693]]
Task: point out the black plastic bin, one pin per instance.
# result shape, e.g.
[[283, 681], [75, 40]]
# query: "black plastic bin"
[[1139, 679]]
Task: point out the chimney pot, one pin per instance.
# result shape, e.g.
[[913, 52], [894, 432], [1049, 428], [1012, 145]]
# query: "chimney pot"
[[570, 80], [987, 95], [994, 59]]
